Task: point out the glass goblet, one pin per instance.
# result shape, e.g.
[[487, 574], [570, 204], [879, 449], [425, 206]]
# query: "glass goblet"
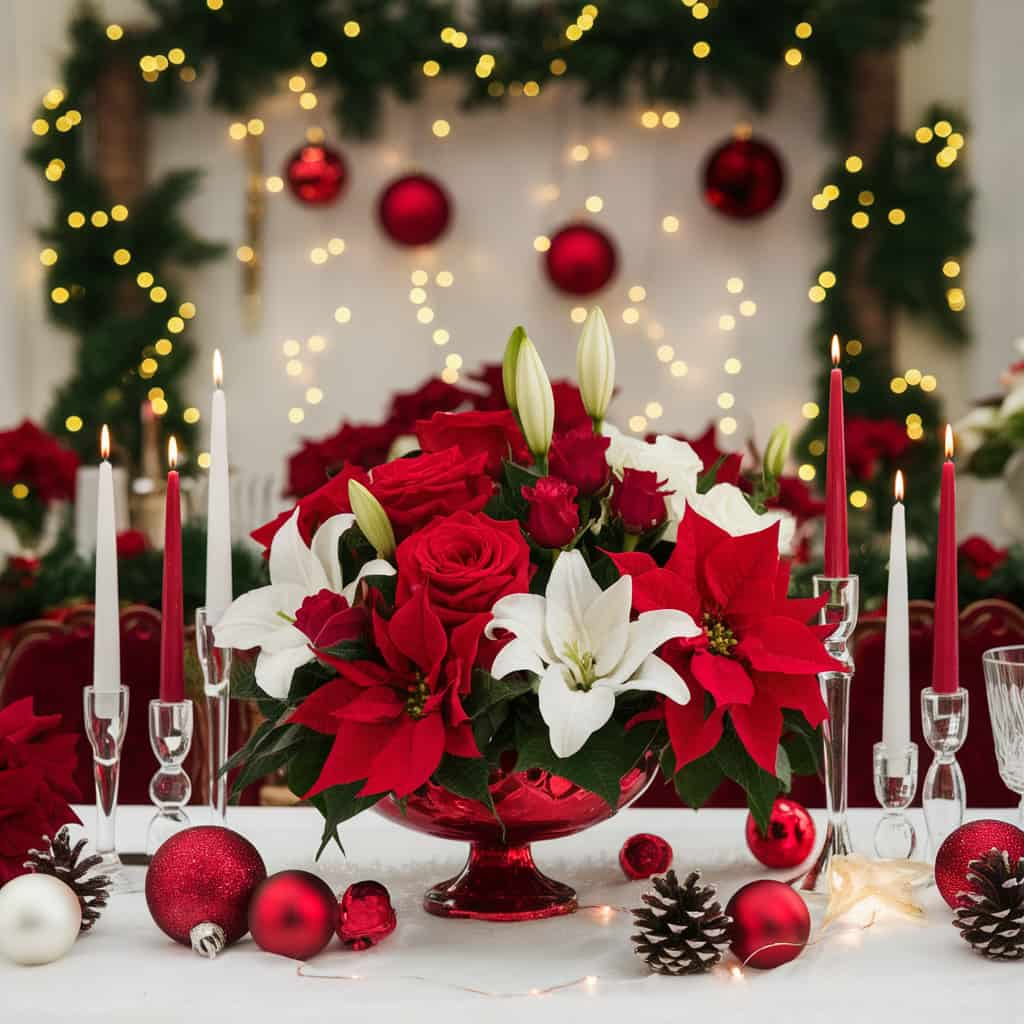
[[1004, 684]]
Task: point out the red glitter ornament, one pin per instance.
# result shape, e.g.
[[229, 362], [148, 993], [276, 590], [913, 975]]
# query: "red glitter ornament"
[[789, 838], [199, 884], [581, 259], [645, 854], [743, 178], [365, 915], [316, 174], [414, 210], [971, 842], [771, 924], [293, 913]]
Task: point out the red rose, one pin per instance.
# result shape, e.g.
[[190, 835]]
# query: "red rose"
[[569, 410], [434, 396], [639, 500], [466, 561], [35, 458], [131, 544], [553, 518], [355, 444], [982, 557], [328, 619], [494, 434], [578, 457]]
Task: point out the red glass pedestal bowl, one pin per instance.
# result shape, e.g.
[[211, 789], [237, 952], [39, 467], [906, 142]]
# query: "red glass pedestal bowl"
[[500, 881]]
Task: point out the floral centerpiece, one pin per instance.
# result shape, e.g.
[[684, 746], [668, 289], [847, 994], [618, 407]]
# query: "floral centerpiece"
[[503, 635]]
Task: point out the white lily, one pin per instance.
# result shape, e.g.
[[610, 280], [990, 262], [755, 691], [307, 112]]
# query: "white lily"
[[265, 617], [595, 364], [580, 641], [727, 507], [534, 398]]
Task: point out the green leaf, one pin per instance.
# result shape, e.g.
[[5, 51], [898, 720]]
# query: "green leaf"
[[803, 752], [760, 787], [783, 769], [488, 691], [707, 479], [275, 750], [696, 781], [466, 777]]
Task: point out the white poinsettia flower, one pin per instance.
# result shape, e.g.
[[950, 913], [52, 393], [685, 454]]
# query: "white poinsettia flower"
[[972, 429], [727, 507], [674, 461], [265, 617], [579, 639]]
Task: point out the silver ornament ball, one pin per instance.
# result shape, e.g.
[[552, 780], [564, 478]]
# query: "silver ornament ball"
[[39, 919]]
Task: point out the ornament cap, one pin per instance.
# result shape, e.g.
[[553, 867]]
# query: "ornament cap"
[[208, 939]]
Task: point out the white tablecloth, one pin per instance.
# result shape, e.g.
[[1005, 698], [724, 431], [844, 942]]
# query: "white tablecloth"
[[127, 970]]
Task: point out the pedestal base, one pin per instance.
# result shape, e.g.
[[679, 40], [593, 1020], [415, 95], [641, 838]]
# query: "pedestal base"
[[814, 881]]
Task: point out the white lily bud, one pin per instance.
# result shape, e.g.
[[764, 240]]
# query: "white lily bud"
[[372, 519], [536, 402], [508, 366], [776, 451], [595, 365]]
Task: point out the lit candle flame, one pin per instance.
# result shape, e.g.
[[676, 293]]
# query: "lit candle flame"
[[105, 442], [899, 485], [835, 349], [949, 441], [218, 369], [172, 453]]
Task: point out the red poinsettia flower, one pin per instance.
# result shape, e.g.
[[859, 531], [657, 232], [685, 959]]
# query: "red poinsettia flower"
[[394, 720], [981, 556], [756, 656], [870, 441], [798, 499]]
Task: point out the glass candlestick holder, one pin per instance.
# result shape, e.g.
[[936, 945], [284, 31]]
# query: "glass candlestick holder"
[[944, 794], [842, 594], [170, 735], [895, 786], [216, 665]]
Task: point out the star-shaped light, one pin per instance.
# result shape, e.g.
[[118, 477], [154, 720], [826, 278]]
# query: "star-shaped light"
[[874, 885]]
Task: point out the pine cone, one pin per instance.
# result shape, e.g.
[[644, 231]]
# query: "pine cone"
[[682, 930], [60, 859], [994, 923]]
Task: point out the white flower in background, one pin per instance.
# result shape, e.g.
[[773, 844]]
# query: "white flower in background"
[[674, 461], [727, 507], [972, 429], [1014, 401], [580, 641], [264, 617], [595, 365]]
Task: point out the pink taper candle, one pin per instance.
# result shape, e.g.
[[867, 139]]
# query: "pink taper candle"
[[172, 636], [837, 551], [946, 644]]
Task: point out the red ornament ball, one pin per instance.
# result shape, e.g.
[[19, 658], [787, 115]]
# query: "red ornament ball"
[[316, 174], [765, 913], [743, 178], [204, 876], [789, 838], [967, 843], [644, 855], [293, 913], [365, 915], [414, 210], [581, 259]]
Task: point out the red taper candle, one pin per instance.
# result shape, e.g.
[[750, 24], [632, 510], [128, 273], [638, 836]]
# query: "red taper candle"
[[946, 641], [837, 550], [172, 635]]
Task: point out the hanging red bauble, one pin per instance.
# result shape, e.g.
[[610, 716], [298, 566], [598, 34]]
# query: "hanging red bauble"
[[316, 174], [581, 259], [789, 838], [199, 884], [771, 924], [365, 915], [645, 854], [414, 210], [971, 842], [743, 178], [293, 913]]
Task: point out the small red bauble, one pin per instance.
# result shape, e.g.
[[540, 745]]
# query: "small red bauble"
[[644, 855], [581, 259], [414, 210], [316, 174], [743, 178], [293, 913], [789, 838], [199, 884], [365, 915], [771, 924], [967, 843]]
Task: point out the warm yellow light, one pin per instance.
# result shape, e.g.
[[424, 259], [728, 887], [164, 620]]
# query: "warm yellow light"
[[819, 202], [726, 400], [854, 347], [727, 425], [858, 499], [144, 279], [854, 163], [159, 406], [955, 141], [816, 293], [700, 10], [307, 101], [318, 255], [734, 285], [666, 353], [542, 243], [318, 58], [291, 347], [630, 315], [942, 129], [296, 415], [816, 447], [431, 68], [445, 279], [531, 88], [956, 299], [923, 134], [441, 336], [573, 33], [594, 204], [851, 385], [793, 57], [637, 423], [732, 365], [73, 424], [946, 156], [191, 415], [163, 347], [176, 55], [148, 366], [649, 119], [48, 257], [637, 293], [450, 376], [441, 128], [76, 219], [701, 49], [748, 307], [122, 257], [60, 295], [255, 126], [296, 83], [830, 192], [314, 396], [833, 349], [424, 314], [803, 30], [417, 296], [215, 5], [865, 198], [336, 246], [119, 212], [679, 368], [453, 361], [99, 219], [806, 472], [810, 410], [726, 322], [928, 382], [898, 385], [826, 279], [54, 170], [670, 224], [343, 314], [351, 29], [579, 153], [913, 377], [175, 325], [19, 492], [40, 127], [951, 268], [316, 343], [670, 119], [114, 32], [860, 220], [158, 294], [293, 368], [897, 216]]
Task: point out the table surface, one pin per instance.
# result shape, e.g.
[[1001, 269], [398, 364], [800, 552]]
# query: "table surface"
[[127, 970]]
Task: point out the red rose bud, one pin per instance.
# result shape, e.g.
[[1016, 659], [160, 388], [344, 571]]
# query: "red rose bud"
[[578, 457], [639, 500], [327, 619], [553, 518]]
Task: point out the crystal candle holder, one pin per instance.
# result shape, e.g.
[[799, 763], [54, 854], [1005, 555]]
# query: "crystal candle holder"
[[216, 665], [842, 595], [944, 717], [895, 786], [170, 735]]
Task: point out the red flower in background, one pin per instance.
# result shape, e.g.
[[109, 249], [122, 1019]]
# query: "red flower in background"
[[569, 411], [35, 458], [981, 556], [798, 499], [435, 396], [756, 655], [578, 457], [553, 518], [869, 441], [706, 447], [494, 434], [37, 767], [393, 722], [131, 544], [638, 499], [317, 461]]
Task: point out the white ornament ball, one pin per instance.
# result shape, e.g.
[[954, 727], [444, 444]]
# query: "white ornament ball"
[[40, 918]]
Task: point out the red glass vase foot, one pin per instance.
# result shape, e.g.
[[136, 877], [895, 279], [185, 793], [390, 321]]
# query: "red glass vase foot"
[[500, 883]]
